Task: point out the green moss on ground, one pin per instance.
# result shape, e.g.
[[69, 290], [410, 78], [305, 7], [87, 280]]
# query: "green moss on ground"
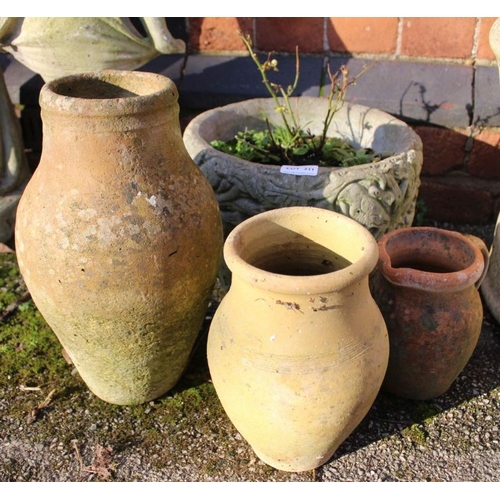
[[416, 433], [48, 399], [30, 353]]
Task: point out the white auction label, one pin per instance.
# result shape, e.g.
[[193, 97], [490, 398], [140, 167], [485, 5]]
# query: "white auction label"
[[299, 170]]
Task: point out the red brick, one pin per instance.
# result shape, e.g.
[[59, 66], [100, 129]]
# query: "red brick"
[[438, 37], [218, 33], [483, 46], [372, 35], [444, 149], [457, 199], [484, 159], [283, 34]]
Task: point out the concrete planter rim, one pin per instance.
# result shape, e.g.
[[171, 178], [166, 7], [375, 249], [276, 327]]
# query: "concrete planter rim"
[[203, 128], [360, 125]]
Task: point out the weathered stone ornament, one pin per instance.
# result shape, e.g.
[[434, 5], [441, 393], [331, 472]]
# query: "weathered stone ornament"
[[14, 170], [298, 349], [490, 289], [426, 287], [61, 46], [381, 196], [118, 233]]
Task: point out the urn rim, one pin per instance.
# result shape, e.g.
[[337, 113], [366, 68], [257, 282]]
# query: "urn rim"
[[108, 92], [353, 242]]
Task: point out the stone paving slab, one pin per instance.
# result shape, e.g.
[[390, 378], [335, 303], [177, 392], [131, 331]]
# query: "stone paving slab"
[[439, 94], [486, 97]]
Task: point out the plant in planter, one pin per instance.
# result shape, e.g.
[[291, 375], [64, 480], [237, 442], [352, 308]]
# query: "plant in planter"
[[291, 143], [374, 179]]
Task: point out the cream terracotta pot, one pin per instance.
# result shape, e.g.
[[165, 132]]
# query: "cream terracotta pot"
[[298, 349], [118, 234]]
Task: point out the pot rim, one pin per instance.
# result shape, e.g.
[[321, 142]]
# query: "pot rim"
[[148, 88], [366, 251], [406, 276]]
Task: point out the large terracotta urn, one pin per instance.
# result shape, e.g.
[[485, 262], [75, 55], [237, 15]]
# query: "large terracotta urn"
[[426, 286], [298, 349], [118, 234]]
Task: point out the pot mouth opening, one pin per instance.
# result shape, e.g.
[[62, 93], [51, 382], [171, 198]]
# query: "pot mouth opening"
[[106, 85], [427, 265], [429, 251], [421, 255], [301, 250], [388, 135], [108, 92], [300, 257]]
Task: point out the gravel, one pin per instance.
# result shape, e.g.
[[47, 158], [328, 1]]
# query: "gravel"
[[180, 437]]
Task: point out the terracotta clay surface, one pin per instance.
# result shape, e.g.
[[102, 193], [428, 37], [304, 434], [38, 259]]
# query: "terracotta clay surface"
[[118, 233], [426, 287], [298, 349]]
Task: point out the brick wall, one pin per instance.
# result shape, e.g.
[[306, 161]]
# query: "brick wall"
[[437, 74]]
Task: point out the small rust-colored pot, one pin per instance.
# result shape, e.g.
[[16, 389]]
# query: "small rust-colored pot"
[[426, 288]]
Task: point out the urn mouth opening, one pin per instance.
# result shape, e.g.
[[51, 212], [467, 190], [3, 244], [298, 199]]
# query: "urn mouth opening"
[[102, 89], [301, 250], [104, 86], [430, 258], [297, 255]]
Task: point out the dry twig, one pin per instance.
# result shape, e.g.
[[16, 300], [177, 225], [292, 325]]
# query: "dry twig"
[[33, 415], [27, 388], [14, 306]]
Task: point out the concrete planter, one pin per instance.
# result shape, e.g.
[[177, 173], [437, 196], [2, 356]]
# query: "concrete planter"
[[381, 196], [491, 285]]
